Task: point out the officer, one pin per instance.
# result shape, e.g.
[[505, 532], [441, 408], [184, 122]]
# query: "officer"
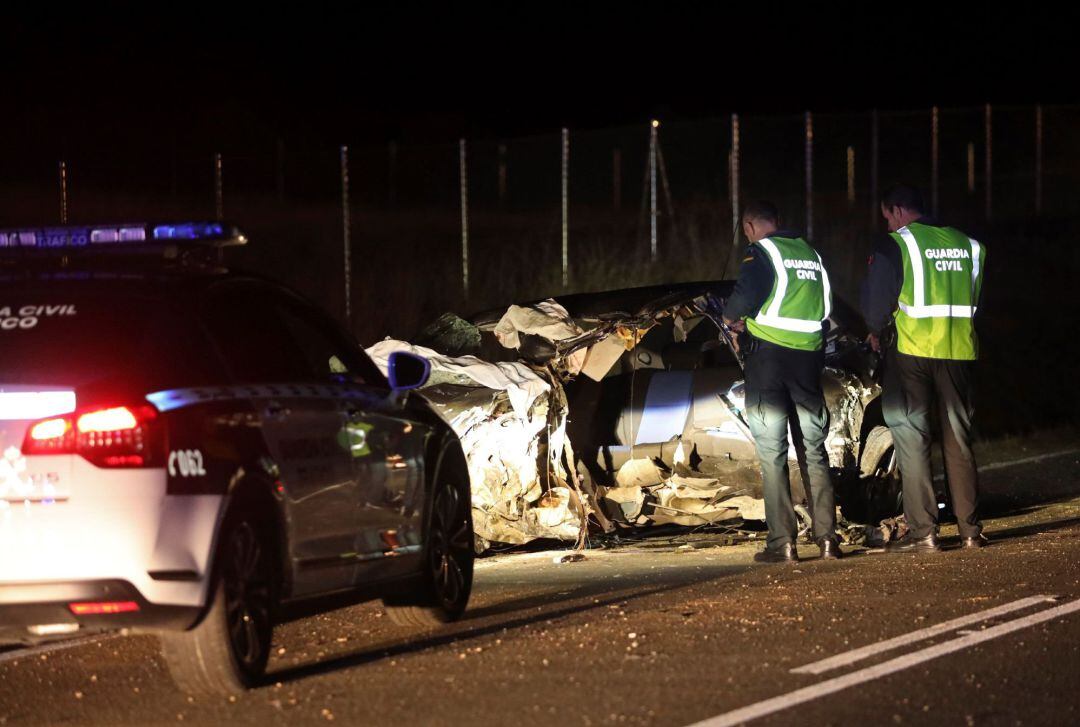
[[919, 299], [779, 305]]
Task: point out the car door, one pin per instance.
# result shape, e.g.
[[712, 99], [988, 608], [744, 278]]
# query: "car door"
[[385, 442], [302, 425]]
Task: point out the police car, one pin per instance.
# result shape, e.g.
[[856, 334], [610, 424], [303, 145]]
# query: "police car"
[[203, 453]]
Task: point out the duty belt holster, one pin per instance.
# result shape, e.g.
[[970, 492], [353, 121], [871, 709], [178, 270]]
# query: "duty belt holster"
[[747, 343]]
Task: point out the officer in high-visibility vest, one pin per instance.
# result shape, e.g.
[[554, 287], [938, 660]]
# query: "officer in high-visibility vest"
[[780, 303], [919, 300]]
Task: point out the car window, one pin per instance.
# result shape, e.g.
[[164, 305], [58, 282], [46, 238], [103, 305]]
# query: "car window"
[[254, 342], [327, 354]]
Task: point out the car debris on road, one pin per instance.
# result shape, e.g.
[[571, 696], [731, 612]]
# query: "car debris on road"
[[607, 411]]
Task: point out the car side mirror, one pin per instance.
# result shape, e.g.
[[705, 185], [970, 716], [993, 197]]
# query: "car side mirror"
[[407, 370]]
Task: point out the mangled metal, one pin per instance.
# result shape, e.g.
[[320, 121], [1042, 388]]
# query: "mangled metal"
[[621, 409]]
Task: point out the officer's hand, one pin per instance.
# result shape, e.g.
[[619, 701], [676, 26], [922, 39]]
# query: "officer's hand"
[[875, 344], [737, 326]]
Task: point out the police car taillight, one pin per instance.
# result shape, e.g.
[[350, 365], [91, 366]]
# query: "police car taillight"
[[115, 436]]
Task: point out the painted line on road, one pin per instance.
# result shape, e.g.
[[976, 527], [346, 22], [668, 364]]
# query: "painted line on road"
[[850, 657], [836, 684], [1016, 462], [34, 652]]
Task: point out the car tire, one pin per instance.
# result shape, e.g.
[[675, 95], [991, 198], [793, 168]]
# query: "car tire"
[[447, 562], [881, 485], [227, 651]]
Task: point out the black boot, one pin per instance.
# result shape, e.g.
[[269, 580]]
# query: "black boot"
[[979, 541], [830, 549], [908, 544], [786, 553]]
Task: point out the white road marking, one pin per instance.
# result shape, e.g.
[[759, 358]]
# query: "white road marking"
[[836, 684], [35, 652], [1015, 462], [850, 657]]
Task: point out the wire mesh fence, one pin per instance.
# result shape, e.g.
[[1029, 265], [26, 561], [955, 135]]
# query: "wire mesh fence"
[[552, 213]]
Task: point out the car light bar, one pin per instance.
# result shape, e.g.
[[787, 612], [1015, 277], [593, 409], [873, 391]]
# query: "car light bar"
[[122, 235]]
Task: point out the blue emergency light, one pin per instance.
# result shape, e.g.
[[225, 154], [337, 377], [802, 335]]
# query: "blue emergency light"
[[139, 234]]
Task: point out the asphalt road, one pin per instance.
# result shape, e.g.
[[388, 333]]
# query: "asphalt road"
[[661, 633]]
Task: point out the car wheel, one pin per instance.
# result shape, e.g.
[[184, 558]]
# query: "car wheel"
[[228, 650], [882, 491], [447, 563]]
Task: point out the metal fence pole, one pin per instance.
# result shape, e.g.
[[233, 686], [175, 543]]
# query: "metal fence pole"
[[652, 190], [934, 160], [971, 167], [345, 234], [734, 171], [616, 178], [63, 194], [875, 209], [391, 173], [565, 207], [1038, 159], [989, 161], [809, 175], [219, 188], [463, 180], [851, 175], [502, 175], [279, 170]]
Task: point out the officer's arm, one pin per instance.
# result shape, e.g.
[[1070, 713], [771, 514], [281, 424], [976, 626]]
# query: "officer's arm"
[[751, 289], [881, 287]]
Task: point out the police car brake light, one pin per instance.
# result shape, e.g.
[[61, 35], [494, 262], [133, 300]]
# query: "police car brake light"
[[114, 436], [101, 608], [116, 419], [50, 429]]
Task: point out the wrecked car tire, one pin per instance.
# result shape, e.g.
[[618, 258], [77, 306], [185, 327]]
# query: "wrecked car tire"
[[448, 563], [881, 493]]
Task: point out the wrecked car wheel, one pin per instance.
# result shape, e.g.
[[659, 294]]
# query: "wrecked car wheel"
[[448, 563], [881, 491]]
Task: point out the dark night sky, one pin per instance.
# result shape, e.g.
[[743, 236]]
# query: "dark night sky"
[[426, 75]]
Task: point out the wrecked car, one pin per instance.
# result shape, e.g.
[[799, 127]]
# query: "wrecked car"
[[601, 411]]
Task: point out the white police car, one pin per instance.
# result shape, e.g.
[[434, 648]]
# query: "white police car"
[[203, 453]]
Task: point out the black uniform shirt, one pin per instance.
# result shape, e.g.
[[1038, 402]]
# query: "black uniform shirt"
[[756, 280], [884, 279]]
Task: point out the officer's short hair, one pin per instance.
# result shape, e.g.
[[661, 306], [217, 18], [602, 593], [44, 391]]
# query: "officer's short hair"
[[905, 196], [762, 210]]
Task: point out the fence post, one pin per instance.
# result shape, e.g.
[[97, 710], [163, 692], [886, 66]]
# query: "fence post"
[[971, 167], [345, 234], [809, 175], [989, 161], [463, 180], [391, 173], [875, 210], [1038, 159], [851, 176], [279, 169], [652, 189], [565, 207], [219, 188], [934, 160], [502, 175], [63, 194], [616, 179], [734, 172]]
